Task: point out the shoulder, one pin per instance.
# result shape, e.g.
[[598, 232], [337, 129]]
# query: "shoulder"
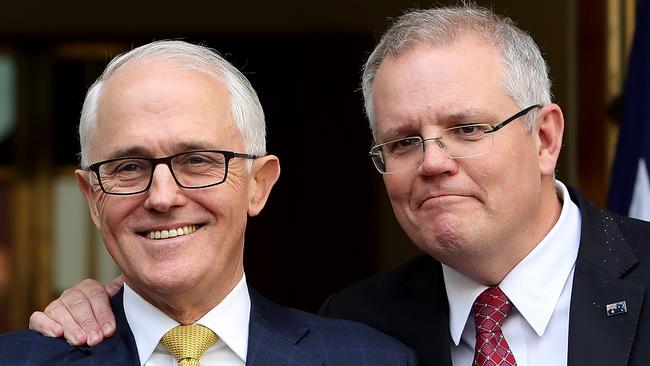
[[636, 232], [348, 334], [27, 347], [599, 224], [382, 289], [402, 302], [336, 341], [613, 244], [30, 348], [601, 218]]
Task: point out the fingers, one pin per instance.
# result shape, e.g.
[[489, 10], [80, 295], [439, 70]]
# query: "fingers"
[[59, 313], [89, 305], [43, 324], [102, 314], [84, 312]]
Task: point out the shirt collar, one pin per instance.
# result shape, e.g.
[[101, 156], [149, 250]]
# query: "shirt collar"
[[533, 289], [229, 320]]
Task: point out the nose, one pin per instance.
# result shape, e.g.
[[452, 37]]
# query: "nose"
[[164, 193], [435, 160]]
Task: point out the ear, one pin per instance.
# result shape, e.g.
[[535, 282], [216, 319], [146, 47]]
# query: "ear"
[[86, 187], [549, 130], [266, 171]]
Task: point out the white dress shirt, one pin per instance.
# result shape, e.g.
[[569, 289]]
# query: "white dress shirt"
[[229, 320], [539, 287]]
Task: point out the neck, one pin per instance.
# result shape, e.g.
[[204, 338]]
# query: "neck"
[[188, 305]]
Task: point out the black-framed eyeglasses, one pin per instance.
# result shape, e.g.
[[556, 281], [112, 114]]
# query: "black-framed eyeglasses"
[[192, 169], [462, 141]]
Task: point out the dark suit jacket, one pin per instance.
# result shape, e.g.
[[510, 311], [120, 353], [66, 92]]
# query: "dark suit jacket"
[[613, 265], [277, 336]]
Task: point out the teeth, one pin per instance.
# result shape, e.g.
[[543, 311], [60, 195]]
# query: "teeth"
[[164, 234]]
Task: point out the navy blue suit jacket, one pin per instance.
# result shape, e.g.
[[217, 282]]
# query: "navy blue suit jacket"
[[277, 336], [613, 265]]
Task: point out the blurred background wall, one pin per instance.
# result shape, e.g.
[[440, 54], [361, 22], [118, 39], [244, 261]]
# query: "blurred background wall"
[[328, 222]]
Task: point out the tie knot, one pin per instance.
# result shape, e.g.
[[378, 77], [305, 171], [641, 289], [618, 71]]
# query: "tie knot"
[[491, 307], [188, 343]]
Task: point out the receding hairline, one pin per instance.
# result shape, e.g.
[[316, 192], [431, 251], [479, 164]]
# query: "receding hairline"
[[176, 62], [212, 76]]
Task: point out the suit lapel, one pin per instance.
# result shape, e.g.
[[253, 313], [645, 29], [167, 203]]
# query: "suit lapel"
[[424, 316], [603, 259], [274, 336]]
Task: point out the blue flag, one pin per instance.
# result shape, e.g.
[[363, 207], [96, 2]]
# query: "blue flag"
[[629, 192]]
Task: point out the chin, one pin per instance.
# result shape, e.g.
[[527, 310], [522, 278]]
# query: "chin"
[[443, 237], [167, 281]]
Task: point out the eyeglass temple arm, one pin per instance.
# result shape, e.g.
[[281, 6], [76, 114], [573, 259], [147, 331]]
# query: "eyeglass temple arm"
[[246, 156], [504, 123]]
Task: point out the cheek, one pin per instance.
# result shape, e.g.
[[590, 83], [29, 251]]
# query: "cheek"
[[236, 190], [225, 204], [482, 175], [100, 204], [114, 210], [505, 177], [399, 190], [398, 187]]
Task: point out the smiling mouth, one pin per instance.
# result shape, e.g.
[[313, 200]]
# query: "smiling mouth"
[[171, 233]]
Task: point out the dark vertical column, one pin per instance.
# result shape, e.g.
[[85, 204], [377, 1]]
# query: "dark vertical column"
[[591, 99]]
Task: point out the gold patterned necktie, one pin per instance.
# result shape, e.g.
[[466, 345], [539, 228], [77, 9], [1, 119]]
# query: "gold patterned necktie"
[[188, 343]]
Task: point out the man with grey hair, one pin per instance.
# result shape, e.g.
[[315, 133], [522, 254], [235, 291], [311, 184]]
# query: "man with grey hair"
[[173, 162], [518, 268]]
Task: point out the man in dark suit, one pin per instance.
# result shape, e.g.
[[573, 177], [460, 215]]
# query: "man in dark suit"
[[173, 162], [467, 139], [518, 268], [277, 336]]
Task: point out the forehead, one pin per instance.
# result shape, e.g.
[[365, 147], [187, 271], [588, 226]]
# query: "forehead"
[[158, 107], [435, 84]]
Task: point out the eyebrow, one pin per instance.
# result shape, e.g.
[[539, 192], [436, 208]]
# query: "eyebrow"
[[468, 115], [395, 133], [140, 150]]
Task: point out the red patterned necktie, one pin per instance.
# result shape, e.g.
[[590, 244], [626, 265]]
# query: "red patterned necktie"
[[490, 310]]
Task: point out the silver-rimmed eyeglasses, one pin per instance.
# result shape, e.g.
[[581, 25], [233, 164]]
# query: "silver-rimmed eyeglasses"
[[462, 141], [191, 169]]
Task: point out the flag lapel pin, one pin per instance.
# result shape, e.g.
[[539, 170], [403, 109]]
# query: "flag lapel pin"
[[616, 308]]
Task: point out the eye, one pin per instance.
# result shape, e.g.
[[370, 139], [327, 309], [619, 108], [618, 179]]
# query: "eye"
[[129, 166], [402, 145], [199, 161], [122, 169], [199, 158], [410, 141], [195, 159], [468, 132]]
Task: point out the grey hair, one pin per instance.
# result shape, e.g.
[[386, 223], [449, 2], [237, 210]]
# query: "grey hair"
[[525, 78], [244, 104]]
